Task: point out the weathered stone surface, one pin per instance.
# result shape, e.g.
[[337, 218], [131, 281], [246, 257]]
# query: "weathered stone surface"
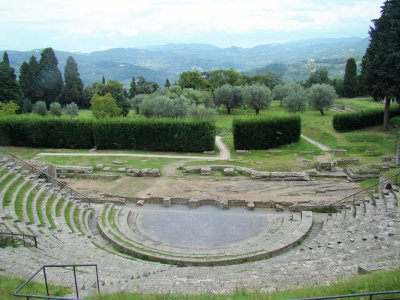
[[167, 201], [107, 169], [337, 152], [229, 171], [99, 166], [74, 169], [121, 169], [326, 166], [205, 171], [242, 151], [140, 203]]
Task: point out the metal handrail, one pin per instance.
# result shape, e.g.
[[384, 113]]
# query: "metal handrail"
[[24, 236], [39, 171], [43, 268], [360, 192], [370, 295]]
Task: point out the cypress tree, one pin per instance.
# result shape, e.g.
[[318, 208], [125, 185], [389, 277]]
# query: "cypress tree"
[[73, 90], [50, 78], [350, 79], [6, 60], [167, 83], [9, 88], [381, 62], [29, 79], [132, 88]]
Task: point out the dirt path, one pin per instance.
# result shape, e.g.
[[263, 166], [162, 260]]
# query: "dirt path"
[[315, 143], [223, 150]]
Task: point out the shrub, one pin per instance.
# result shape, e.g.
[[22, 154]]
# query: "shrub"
[[266, 132], [40, 108], [361, 119], [56, 109], [201, 112], [105, 106], [49, 132], [165, 107], [26, 106], [72, 109], [8, 109], [154, 134]]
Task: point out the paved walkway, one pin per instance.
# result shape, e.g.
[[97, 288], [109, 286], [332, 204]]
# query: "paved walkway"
[[224, 154], [315, 143]]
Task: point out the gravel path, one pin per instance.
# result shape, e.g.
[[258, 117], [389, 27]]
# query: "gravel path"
[[319, 145], [223, 149]]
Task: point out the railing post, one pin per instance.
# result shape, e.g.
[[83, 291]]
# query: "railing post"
[[45, 281], [76, 283], [97, 277]]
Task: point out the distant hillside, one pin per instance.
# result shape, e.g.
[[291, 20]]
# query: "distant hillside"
[[295, 60]]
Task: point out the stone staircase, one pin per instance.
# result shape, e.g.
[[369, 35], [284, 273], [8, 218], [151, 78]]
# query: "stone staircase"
[[360, 238]]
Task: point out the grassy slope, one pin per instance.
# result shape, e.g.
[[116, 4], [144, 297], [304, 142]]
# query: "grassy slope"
[[8, 285]]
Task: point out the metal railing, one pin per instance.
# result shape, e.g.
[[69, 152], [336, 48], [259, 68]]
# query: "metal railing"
[[49, 178], [48, 296], [374, 295], [18, 236], [356, 196]]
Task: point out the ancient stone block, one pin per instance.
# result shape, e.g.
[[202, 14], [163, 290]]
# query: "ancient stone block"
[[229, 171]]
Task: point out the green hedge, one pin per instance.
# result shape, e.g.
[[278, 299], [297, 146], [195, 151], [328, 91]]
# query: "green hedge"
[[266, 132], [361, 119], [140, 134], [49, 132], [154, 134]]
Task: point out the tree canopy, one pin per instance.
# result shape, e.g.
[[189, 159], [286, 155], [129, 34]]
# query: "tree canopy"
[[381, 62], [350, 79], [9, 88], [73, 90]]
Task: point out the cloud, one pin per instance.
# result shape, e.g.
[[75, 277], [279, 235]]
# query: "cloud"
[[181, 19]]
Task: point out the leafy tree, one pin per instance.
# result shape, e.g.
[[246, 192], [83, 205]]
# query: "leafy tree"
[[56, 109], [105, 106], [8, 109], [6, 60], [40, 108], [29, 79], [269, 79], [136, 102], [337, 83], [220, 77], [132, 88], [118, 92], [9, 88], [239, 95], [322, 96], [381, 62], [88, 93], [296, 99], [258, 97], [50, 78], [224, 96], [279, 92], [72, 109], [319, 76], [199, 97], [193, 80], [26, 106], [145, 87], [73, 90], [350, 79], [167, 84]]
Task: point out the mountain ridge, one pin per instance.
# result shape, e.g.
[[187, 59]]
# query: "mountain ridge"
[[158, 62]]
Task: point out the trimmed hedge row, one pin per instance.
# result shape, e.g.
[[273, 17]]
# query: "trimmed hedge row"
[[361, 119], [141, 134], [155, 134], [266, 132], [36, 131]]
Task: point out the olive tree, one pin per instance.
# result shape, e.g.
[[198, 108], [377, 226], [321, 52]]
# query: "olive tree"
[[322, 96], [296, 99], [258, 97]]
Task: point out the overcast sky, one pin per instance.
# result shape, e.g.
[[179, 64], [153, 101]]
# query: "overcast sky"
[[88, 25]]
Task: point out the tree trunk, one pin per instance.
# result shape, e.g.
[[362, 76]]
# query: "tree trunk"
[[386, 115], [321, 110], [257, 111], [228, 109]]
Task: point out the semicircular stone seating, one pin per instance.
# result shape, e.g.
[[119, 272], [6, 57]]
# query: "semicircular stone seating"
[[121, 227], [365, 235]]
